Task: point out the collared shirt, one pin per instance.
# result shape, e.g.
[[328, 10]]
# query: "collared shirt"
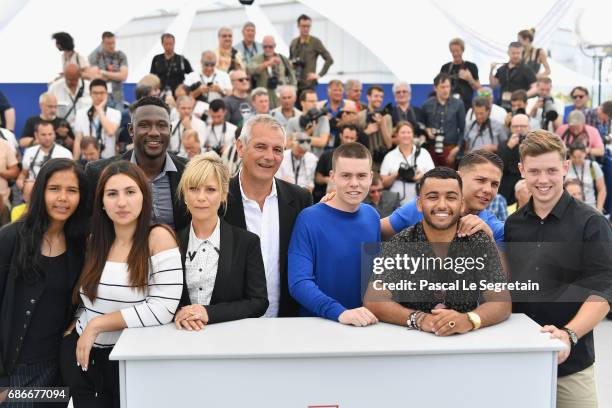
[[162, 194], [249, 52], [414, 243], [277, 113], [298, 171], [499, 207], [491, 132], [308, 52], [66, 99], [93, 128], [218, 77], [450, 117], [265, 223], [581, 256], [176, 142], [201, 265]]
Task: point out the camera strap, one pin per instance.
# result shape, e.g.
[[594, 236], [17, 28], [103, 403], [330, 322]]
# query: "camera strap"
[[76, 98], [218, 140], [296, 170], [45, 159], [98, 127]]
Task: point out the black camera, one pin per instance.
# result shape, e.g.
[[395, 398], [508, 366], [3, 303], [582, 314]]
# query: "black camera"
[[297, 63], [387, 110], [506, 104], [549, 111], [272, 82], [406, 173], [307, 119], [519, 111]]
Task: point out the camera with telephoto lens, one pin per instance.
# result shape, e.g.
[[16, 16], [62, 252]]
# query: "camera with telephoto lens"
[[439, 140], [549, 111], [406, 173], [309, 118], [387, 110], [272, 82]]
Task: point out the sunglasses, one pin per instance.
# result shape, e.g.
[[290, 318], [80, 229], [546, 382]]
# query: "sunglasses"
[[245, 79], [578, 96], [269, 46], [209, 64], [377, 191]]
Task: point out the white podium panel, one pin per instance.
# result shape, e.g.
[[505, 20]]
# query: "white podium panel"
[[305, 362]]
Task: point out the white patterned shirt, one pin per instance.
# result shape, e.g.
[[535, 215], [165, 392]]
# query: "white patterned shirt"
[[201, 263]]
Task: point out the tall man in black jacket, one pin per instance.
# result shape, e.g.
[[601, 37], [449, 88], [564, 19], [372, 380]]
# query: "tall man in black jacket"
[[267, 206], [150, 130]]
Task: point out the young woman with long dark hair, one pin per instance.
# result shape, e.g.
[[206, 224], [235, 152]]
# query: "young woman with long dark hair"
[[132, 278], [40, 262]]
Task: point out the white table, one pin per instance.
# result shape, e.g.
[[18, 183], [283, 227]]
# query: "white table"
[[302, 362]]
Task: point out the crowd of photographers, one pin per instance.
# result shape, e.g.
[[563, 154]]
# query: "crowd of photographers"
[[84, 116]]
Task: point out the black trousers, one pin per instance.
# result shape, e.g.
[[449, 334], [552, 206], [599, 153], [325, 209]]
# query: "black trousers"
[[98, 387], [39, 374]]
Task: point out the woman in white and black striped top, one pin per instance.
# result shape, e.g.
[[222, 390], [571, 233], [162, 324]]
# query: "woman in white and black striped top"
[[132, 278]]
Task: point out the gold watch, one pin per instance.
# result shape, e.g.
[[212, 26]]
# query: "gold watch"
[[474, 319]]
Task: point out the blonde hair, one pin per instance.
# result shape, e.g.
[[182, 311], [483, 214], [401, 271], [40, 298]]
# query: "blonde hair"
[[541, 142], [150, 80], [199, 169]]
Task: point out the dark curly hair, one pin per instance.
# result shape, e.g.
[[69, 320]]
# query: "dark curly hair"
[[64, 41]]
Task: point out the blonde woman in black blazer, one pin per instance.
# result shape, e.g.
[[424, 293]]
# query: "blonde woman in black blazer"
[[224, 272]]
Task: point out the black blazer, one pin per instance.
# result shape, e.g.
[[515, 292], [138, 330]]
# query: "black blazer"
[[181, 217], [240, 286], [291, 200], [12, 313]]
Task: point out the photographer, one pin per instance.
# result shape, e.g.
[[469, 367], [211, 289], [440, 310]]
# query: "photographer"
[[170, 67], [544, 107], [512, 76], [260, 100], [287, 109], [509, 153], [299, 164], [497, 112], [271, 70], [518, 106], [219, 133], [48, 113], [445, 121], [211, 83], [404, 111], [99, 121], [238, 106], [463, 74], [312, 121], [484, 132], [333, 105], [186, 121], [304, 52], [576, 131], [377, 125], [406, 164]]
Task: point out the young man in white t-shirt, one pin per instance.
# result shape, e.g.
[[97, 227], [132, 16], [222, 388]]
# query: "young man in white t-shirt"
[[36, 156], [98, 121]]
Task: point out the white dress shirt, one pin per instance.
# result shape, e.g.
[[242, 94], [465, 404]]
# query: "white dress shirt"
[[303, 169], [86, 127], [266, 225], [201, 263]]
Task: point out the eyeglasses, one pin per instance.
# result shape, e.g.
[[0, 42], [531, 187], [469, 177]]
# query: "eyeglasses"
[[578, 96], [401, 92], [269, 46], [484, 93], [209, 64], [376, 191], [245, 79]]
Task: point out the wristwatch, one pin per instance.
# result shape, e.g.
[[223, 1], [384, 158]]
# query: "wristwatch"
[[572, 336], [474, 318]]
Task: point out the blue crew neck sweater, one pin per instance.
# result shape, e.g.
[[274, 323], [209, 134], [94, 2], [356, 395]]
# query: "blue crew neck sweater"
[[325, 258]]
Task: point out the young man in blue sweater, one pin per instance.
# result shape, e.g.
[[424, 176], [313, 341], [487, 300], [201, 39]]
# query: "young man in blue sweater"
[[325, 247]]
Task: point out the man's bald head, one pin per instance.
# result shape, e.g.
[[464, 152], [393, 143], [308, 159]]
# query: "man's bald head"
[[72, 74], [520, 119]]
